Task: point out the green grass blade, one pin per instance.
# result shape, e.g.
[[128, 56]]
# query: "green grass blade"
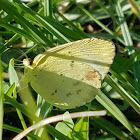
[[81, 130], [66, 126], [51, 25], [13, 78], [108, 126], [28, 51], [16, 104], [48, 13], [100, 23], [17, 130], [4, 47], [34, 32], [124, 28], [129, 45], [1, 100], [81, 33], [113, 109], [28, 113], [48, 8], [136, 69], [123, 93], [16, 30], [42, 21], [56, 133], [10, 90], [135, 8], [16, 36]]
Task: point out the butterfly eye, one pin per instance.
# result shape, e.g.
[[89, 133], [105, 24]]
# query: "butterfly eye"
[[27, 63]]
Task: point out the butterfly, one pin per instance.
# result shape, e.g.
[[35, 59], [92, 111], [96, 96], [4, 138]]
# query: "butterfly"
[[70, 75]]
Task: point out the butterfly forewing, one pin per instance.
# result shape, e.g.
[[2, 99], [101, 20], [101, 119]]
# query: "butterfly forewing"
[[98, 53]]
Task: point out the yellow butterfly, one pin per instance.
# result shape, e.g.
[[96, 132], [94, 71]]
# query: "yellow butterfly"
[[70, 75]]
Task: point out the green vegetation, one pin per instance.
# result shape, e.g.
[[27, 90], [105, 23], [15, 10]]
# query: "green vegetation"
[[28, 29]]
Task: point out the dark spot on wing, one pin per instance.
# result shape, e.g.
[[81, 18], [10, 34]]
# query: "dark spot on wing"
[[35, 75], [52, 93], [68, 94], [78, 91], [72, 63], [77, 83], [42, 69], [86, 102], [82, 79], [61, 74]]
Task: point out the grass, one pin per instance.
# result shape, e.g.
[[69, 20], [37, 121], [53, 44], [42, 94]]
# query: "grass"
[[30, 29]]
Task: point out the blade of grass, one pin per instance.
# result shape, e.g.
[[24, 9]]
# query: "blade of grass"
[[121, 78], [16, 36], [13, 78], [51, 130], [48, 13], [28, 51], [41, 20], [127, 65], [129, 45], [28, 113], [123, 93], [100, 23], [12, 40], [108, 126], [55, 28], [135, 8], [81, 33], [48, 8], [17, 130], [135, 36], [114, 110], [56, 133], [66, 126], [22, 120], [10, 90], [80, 130], [16, 104], [16, 30], [1, 100], [34, 32], [124, 28], [136, 69]]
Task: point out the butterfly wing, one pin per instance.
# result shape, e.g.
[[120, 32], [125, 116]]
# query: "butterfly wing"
[[65, 84], [70, 75], [98, 53]]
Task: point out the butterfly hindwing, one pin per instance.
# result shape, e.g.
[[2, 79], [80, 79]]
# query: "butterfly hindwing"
[[66, 87]]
